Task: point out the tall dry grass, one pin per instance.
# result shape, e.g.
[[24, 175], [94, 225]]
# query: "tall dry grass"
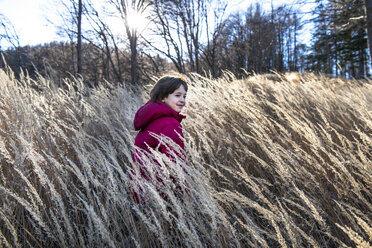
[[273, 161]]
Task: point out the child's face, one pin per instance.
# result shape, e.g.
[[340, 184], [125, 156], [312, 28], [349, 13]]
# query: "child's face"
[[177, 99]]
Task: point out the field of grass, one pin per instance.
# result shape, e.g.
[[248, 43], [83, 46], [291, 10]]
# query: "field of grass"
[[280, 160]]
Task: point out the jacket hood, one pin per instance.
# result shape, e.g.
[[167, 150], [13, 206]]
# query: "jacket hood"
[[152, 111]]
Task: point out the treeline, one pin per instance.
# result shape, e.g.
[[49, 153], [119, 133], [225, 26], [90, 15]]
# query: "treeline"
[[199, 36], [257, 41], [340, 42], [56, 61]]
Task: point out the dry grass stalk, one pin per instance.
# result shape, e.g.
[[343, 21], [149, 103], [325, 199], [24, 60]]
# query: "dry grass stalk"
[[268, 157]]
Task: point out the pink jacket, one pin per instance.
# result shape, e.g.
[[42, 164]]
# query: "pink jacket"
[[160, 119]]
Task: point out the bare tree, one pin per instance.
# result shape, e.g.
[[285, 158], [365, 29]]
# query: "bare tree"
[[170, 34], [104, 35], [71, 15], [79, 16], [368, 13], [255, 41], [7, 32], [127, 8], [180, 25], [214, 32]]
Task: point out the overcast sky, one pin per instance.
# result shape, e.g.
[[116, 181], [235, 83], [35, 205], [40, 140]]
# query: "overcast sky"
[[29, 18]]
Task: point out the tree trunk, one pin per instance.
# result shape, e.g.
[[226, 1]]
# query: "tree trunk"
[[133, 61], [79, 63], [368, 9], [361, 73]]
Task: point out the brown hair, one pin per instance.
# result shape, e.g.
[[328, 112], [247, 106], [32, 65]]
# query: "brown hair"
[[165, 86]]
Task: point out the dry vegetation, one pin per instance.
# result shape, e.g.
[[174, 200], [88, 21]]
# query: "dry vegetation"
[[273, 161]]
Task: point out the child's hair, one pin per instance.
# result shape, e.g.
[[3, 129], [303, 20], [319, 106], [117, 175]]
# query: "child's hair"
[[165, 86]]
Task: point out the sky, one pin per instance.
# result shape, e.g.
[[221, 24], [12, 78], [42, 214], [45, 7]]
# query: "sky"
[[29, 18]]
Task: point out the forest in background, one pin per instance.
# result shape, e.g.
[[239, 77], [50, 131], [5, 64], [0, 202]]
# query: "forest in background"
[[199, 36], [274, 160]]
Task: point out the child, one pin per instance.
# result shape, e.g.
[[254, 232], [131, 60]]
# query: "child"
[[159, 117]]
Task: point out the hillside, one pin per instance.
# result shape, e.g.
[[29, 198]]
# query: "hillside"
[[273, 161]]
